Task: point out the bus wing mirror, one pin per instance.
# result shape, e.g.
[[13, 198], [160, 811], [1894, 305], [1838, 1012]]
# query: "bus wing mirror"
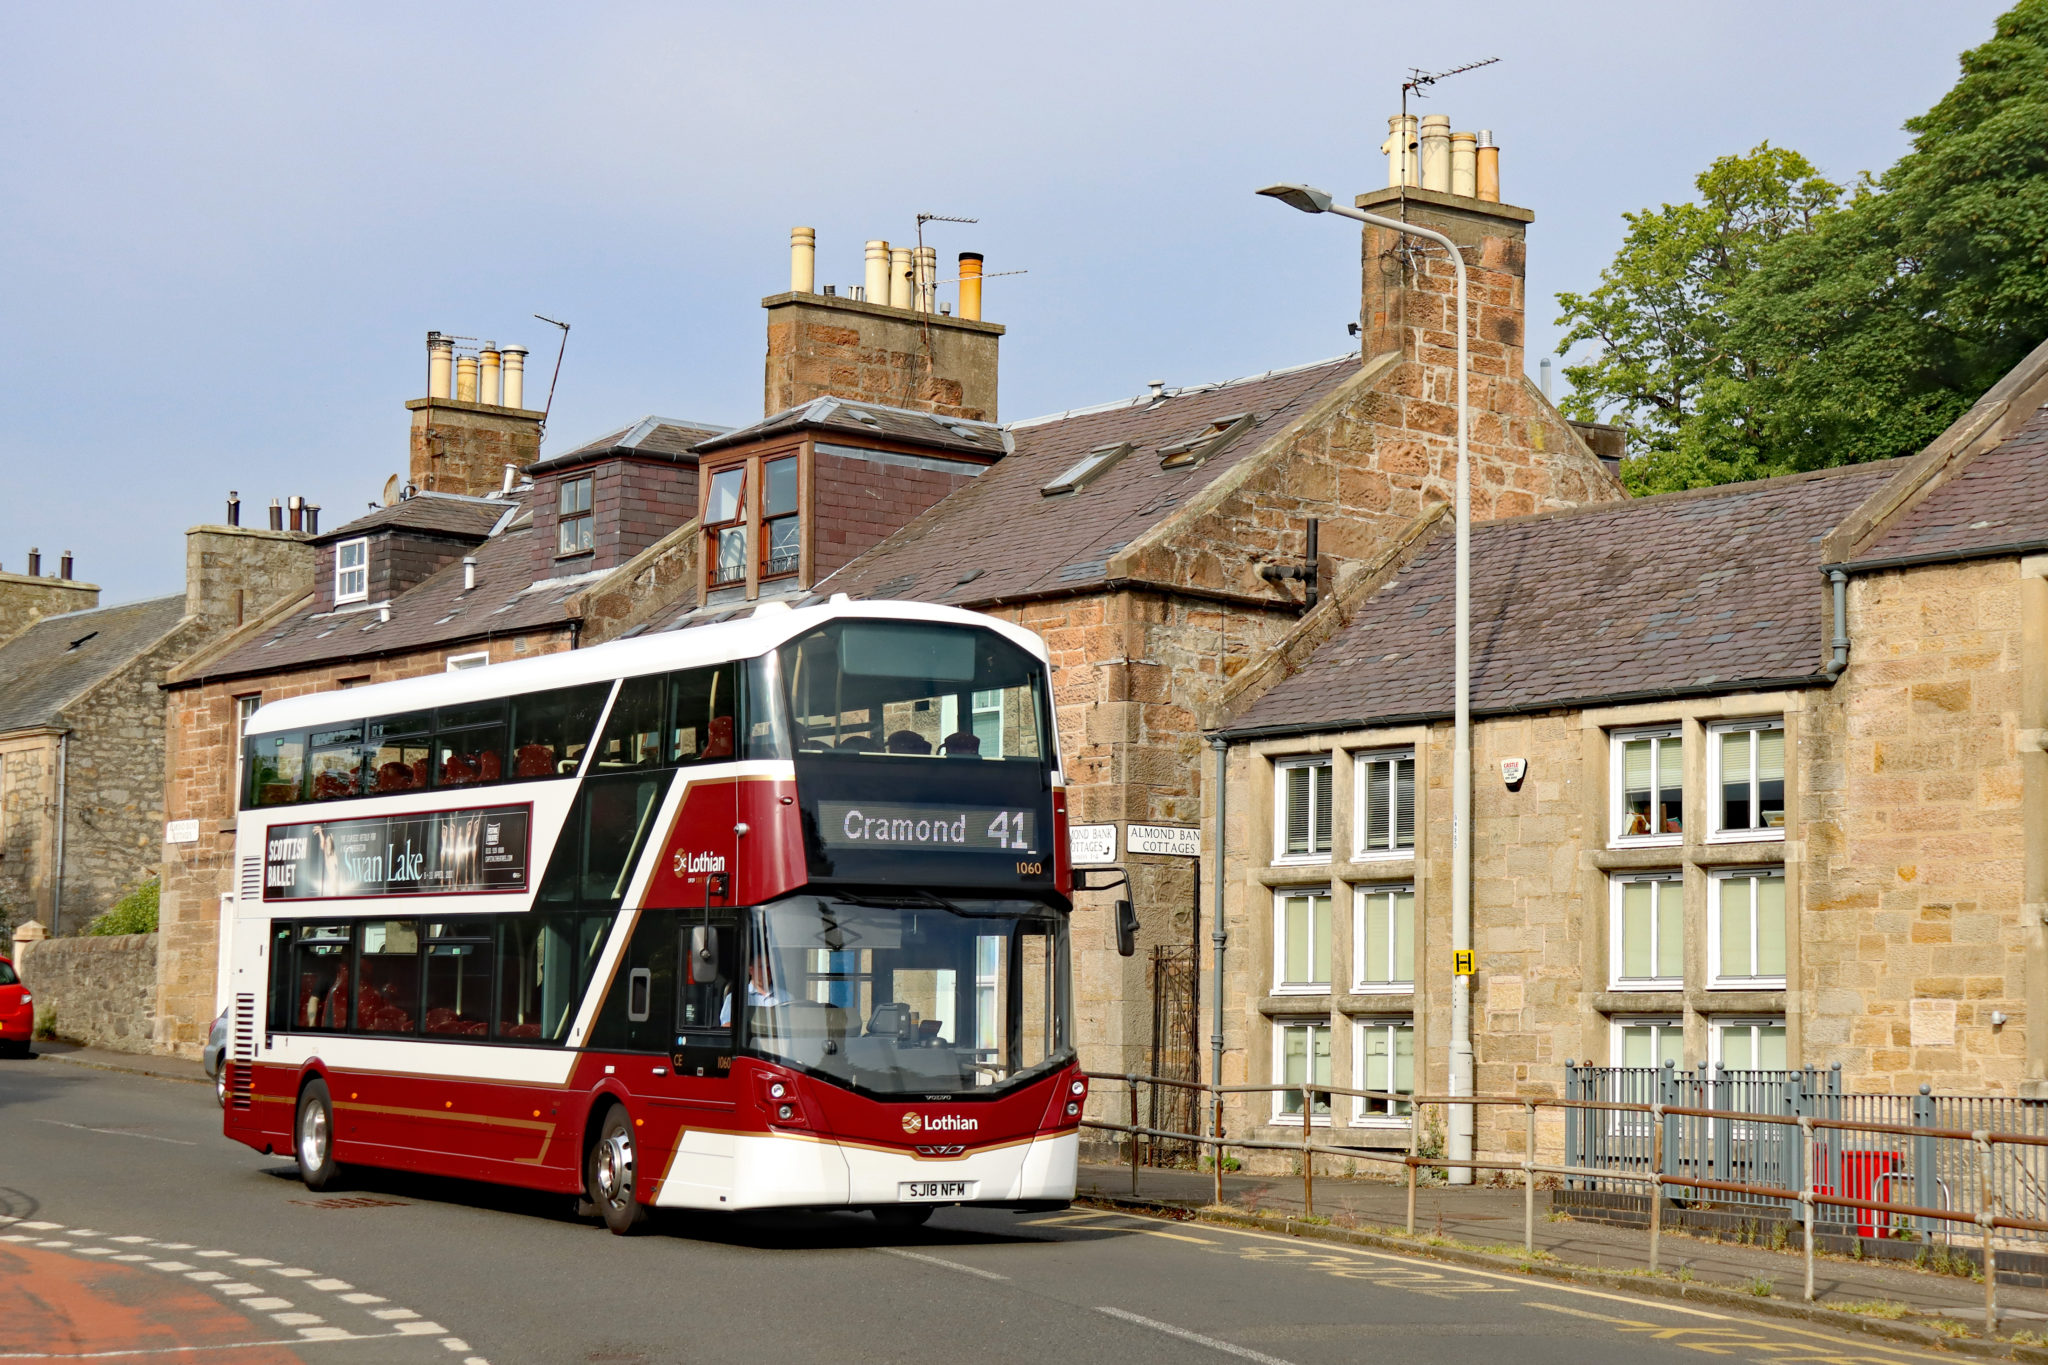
[[703, 954], [1126, 930]]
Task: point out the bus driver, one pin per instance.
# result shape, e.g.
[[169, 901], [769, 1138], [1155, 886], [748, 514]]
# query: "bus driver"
[[761, 989]]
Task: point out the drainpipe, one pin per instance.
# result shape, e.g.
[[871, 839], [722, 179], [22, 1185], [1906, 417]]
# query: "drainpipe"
[[57, 882], [1218, 934], [1840, 578]]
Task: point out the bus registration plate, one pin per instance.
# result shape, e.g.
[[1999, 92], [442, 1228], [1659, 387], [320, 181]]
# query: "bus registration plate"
[[911, 1190]]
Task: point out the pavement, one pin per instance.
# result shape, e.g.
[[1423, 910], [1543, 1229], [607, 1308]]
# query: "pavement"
[[1493, 1218], [131, 1231]]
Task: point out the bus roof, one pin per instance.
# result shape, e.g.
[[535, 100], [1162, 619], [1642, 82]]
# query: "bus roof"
[[696, 647]]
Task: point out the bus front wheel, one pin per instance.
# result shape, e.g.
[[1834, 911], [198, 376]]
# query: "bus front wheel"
[[610, 1174], [313, 1138]]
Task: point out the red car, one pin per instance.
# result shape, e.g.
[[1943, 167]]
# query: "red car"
[[17, 1012]]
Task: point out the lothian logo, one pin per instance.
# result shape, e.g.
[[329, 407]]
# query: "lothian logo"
[[939, 1123]]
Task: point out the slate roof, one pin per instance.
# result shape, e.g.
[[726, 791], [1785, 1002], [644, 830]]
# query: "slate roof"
[[895, 424], [1995, 502], [1024, 542], [60, 658], [1709, 590], [437, 612], [674, 439], [431, 512]]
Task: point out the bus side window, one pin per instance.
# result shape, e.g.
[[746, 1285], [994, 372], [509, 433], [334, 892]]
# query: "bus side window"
[[320, 993], [550, 730], [281, 977], [388, 996], [701, 716], [632, 734], [277, 769], [469, 744], [460, 958], [544, 966]]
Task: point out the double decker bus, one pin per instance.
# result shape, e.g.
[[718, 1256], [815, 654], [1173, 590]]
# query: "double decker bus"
[[768, 913]]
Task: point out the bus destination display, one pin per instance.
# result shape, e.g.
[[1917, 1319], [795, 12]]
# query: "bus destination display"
[[882, 825], [434, 853]]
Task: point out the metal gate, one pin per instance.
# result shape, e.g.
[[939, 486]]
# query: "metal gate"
[[1176, 1054]]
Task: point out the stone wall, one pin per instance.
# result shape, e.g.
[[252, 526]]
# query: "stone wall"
[[236, 573], [656, 584], [201, 767], [98, 991], [25, 601], [1919, 820], [28, 796]]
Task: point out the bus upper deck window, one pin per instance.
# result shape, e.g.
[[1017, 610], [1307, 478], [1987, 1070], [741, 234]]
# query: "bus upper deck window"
[[277, 769], [469, 744], [701, 719], [401, 752], [550, 730]]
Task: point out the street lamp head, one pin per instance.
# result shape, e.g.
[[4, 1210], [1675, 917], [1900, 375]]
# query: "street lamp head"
[[1307, 198]]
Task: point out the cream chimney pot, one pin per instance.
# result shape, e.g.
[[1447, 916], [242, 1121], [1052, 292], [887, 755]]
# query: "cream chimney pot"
[[927, 279], [900, 268], [514, 379], [487, 374], [876, 281], [1400, 149], [440, 365], [1464, 165], [465, 379], [803, 260], [1436, 152]]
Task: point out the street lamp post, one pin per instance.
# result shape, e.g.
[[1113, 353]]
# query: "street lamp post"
[[1311, 200]]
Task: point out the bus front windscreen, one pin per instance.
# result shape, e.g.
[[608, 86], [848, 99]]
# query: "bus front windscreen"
[[911, 689], [910, 999]]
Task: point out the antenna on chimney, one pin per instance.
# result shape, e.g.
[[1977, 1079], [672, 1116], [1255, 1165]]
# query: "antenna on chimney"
[[557, 375], [1419, 81]]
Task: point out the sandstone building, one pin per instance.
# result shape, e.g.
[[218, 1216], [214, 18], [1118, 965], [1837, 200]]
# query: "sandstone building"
[[1740, 830]]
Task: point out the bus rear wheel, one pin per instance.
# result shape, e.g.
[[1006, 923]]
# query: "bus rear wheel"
[[610, 1174], [313, 1138]]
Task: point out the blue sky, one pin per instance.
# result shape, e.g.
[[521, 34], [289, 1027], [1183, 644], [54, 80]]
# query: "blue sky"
[[227, 229]]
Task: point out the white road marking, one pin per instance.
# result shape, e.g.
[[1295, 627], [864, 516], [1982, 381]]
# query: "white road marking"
[[1227, 1347], [937, 1261], [112, 1132], [299, 1340]]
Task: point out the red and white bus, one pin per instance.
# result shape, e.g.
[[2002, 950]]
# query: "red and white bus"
[[768, 913]]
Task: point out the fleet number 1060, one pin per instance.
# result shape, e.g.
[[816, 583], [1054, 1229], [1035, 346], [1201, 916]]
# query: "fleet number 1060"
[[1008, 829]]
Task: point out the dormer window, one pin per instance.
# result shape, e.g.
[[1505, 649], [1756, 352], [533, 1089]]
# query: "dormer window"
[[352, 570], [574, 532], [725, 526], [781, 531]]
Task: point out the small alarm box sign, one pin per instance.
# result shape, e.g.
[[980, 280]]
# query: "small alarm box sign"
[[1513, 770]]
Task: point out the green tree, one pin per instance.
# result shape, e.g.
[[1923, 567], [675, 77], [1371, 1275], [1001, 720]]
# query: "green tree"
[[1852, 331], [1659, 316]]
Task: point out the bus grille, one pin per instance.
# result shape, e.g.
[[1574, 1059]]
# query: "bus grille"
[[252, 879], [242, 1053]]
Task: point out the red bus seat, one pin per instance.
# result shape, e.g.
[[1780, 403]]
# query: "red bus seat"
[[534, 760]]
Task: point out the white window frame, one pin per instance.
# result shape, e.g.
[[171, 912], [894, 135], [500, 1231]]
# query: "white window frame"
[[1280, 1028], [1281, 767], [476, 659], [1362, 1113], [1360, 895], [1718, 1029], [1716, 834], [1615, 884], [1361, 768], [1617, 789], [245, 706], [1281, 985], [1619, 1024], [1718, 978], [357, 573]]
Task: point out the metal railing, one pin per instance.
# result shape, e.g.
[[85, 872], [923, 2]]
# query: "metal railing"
[[1805, 1189]]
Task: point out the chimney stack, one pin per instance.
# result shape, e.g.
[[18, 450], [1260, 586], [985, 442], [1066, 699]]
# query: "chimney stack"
[[465, 379], [234, 508], [276, 515], [35, 562], [514, 379], [487, 374], [803, 260], [440, 366]]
